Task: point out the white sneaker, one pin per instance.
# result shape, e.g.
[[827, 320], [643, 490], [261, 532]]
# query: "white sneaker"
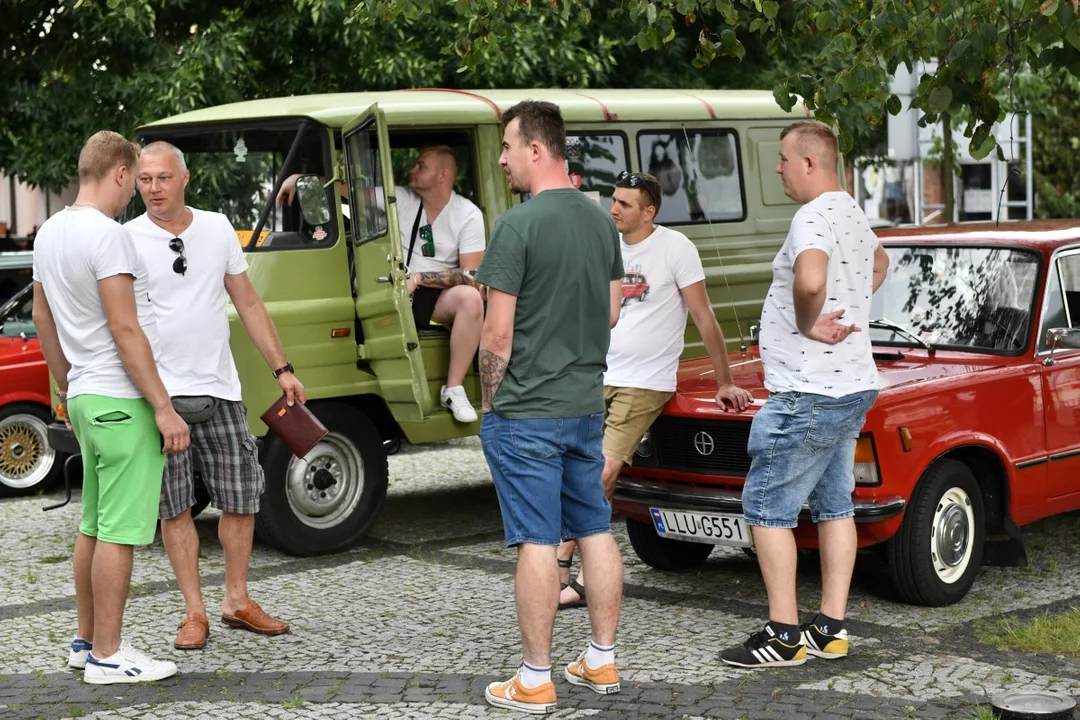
[[457, 401], [79, 650], [126, 665]]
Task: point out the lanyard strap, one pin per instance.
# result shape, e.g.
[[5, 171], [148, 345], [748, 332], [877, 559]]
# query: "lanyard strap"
[[415, 228]]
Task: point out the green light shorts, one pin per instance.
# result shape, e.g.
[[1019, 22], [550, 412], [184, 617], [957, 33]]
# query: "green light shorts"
[[122, 467]]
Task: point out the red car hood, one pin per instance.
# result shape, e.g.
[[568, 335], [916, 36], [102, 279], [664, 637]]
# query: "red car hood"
[[16, 351], [697, 384]]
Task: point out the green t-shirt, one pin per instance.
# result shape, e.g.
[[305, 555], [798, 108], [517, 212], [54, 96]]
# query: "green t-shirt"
[[557, 253]]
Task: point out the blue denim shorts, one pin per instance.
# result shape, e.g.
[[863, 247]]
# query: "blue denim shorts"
[[802, 449], [547, 476]]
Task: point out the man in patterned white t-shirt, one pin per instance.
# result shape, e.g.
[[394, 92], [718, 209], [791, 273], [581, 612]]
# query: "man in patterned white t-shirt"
[[822, 380]]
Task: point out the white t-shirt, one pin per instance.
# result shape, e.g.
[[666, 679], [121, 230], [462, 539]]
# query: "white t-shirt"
[[458, 230], [74, 249], [835, 224], [648, 339], [193, 323]]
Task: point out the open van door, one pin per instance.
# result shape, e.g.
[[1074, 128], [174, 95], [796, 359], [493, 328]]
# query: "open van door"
[[390, 345]]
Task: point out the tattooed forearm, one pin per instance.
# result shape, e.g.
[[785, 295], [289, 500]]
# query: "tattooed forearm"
[[445, 279], [492, 372]]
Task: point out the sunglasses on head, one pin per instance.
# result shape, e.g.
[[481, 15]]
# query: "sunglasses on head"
[[635, 180], [179, 265]]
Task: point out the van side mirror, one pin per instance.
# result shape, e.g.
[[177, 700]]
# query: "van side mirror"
[[313, 203], [1061, 337]]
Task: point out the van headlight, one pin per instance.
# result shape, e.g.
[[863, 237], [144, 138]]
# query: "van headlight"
[[866, 466]]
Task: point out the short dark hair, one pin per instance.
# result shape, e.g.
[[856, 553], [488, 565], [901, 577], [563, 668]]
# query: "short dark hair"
[[539, 120], [645, 184]]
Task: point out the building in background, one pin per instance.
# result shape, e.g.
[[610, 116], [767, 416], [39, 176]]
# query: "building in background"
[[23, 209]]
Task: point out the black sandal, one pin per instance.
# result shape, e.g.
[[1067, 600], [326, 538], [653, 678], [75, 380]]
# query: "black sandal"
[[567, 563], [582, 601]]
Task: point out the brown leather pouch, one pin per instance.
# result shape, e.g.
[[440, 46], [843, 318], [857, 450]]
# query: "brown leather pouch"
[[296, 426]]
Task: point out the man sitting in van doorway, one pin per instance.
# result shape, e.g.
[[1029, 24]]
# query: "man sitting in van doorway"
[[442, 236], [643, 356]]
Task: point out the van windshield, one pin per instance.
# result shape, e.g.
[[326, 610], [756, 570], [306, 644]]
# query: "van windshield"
[[234, 170]]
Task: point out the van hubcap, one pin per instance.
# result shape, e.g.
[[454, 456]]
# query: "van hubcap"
[[25, 455], [325, 487], [951, 542]]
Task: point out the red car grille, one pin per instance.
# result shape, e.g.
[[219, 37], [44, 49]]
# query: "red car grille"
[[712, 447]]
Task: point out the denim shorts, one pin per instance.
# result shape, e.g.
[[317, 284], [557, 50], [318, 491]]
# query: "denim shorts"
[[547, 476], [802, 449]]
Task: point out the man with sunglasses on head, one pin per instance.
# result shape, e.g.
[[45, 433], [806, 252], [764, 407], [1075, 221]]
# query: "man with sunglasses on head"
[[194, 260], [664, 282]]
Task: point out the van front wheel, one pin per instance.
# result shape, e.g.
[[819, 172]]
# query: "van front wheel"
[[327, 501]]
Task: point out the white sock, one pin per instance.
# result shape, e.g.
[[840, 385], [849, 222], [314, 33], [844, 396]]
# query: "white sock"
[[533, 676], [597, 656]]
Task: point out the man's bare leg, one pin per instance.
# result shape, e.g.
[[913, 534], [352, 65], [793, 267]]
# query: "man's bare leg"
[[612, 468], [600, 558], [182, 546], [111, 577], [839, 542], [236, 533], [84, 585], [462, 308], [778, 558], [537, 594]]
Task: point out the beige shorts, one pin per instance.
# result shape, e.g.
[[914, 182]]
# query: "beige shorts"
[[628, 413]]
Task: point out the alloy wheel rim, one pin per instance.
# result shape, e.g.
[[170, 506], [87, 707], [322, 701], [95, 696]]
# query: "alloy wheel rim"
[[26, 458]]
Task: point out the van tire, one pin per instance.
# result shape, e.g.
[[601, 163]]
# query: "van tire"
[[329, 503], [662, 553], [935, 571]]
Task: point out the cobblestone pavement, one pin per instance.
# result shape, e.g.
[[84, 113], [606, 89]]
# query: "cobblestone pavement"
[[418, 620]]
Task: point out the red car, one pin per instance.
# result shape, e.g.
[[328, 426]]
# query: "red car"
[[976, 431], [634, 287], [27, 461]]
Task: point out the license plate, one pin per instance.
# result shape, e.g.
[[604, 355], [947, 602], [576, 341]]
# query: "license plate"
[[719, 529]]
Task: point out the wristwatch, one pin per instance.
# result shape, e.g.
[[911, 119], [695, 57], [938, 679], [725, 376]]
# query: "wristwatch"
[[286, 368]]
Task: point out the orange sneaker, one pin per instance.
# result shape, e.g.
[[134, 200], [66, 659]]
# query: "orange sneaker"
[[513, 695], [604, 680]]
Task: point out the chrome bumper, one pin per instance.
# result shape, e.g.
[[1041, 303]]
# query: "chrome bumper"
[[646, 495]]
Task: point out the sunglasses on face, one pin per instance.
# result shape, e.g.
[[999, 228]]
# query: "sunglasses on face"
[[635, 180], [179, 265]]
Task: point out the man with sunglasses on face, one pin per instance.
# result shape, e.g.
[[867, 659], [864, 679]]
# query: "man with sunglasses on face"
[[664, 281], [194, 259]]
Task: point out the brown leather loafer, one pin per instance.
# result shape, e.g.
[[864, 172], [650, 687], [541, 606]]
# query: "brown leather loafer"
[[194, 631], [254, 618]]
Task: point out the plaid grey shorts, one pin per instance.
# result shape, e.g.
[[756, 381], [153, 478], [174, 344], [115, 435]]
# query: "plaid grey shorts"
[[228, 458]]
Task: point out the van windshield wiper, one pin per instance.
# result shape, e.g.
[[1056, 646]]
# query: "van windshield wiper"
[[886, 324]]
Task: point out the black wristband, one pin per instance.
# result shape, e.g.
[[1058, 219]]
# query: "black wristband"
[[286, 368]]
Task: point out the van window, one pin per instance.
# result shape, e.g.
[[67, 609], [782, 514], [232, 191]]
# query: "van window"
[[699, 174], [233, 171], [367, 206], [405, 147], [597, 159]]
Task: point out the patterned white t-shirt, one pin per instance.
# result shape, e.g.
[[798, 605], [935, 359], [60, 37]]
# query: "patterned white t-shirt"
[[835, 224]]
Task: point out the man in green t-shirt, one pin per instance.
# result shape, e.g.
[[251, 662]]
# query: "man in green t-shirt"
[[554, 277]]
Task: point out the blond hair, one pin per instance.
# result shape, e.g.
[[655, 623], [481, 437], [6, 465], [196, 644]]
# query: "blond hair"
[[814, 138], [103, 152]]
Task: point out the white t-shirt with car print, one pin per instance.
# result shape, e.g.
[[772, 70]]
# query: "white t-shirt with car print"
[[648, 339], [834, 224]]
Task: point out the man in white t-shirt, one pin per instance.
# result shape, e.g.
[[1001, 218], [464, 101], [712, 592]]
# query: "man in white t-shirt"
[[442, 236], [194, 261], [96, 326], [822, 381], [664, 281]]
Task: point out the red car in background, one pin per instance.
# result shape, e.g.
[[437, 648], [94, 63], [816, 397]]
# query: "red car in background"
[[976, 431], [27, 462]]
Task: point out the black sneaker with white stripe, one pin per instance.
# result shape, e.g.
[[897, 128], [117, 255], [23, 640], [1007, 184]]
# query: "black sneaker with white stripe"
[[822, 642], [766, 649]]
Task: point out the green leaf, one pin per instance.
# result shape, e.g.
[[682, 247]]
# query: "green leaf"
[[685, 7], [893, 105], [759, 25], [650, 13], [770, 8], [1000, 154], [958, 49], [784, 98], [823, 20], [940, 99], [1049, 7], [983, 143]]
